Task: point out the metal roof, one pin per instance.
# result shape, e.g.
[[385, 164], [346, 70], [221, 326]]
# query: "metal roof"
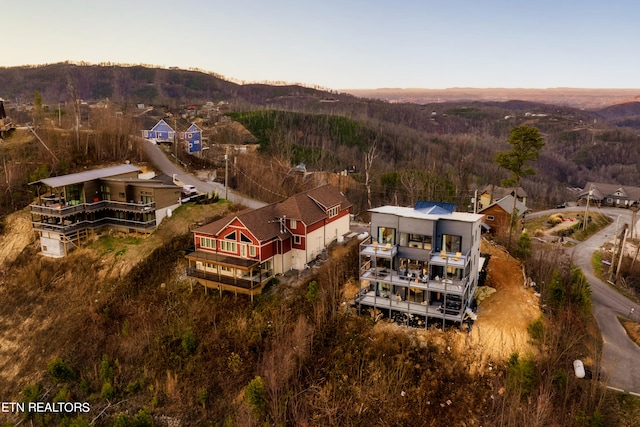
[[413, 213], [435, 207], [76, 178]]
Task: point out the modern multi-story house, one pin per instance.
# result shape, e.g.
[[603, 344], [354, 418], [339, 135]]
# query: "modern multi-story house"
[[240, 253], [70, 208], [420, 264]]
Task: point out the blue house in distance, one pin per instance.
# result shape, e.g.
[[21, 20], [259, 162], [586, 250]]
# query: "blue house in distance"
[[161, 132], [193, 136]]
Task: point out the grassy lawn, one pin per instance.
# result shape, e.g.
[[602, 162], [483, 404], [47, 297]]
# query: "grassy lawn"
[[632, 328], [137, 246], [567, 224]]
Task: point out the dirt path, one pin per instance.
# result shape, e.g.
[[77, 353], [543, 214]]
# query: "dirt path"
[[503, 317]]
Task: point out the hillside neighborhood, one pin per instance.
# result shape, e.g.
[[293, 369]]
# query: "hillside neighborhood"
[[259, 255]]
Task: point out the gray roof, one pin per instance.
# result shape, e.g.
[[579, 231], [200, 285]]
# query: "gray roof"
[[76, 178], [506, 203], [601, 191]]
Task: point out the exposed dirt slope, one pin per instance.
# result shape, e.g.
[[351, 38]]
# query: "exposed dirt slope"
[[17, 236], [501, 328]]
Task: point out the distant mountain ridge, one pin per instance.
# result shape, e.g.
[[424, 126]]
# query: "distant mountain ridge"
[[136, 84], [592, 99]]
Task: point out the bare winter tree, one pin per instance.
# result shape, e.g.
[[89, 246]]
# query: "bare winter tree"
[[369, 157]]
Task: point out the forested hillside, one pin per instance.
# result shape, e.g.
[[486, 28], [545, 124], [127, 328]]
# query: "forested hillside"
[[441, 151]]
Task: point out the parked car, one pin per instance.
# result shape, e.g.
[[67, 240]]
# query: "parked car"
[[188, 190]]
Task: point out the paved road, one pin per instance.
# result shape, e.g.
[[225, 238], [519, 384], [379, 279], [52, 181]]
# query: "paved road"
[[158, 157], [620, 355]]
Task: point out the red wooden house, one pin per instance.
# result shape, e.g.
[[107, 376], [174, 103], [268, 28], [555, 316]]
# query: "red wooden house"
[[242, 252]]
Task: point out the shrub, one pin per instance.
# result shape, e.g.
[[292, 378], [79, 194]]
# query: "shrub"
[[521, 375], [555, 219], [312, 292], [536, 329], [60, 371], [107, 391], [63, 395], [142, 419], [202, 396], [106, 371], [256, 397], [189, 341], [75, 422], [31, 393], [523, 247]]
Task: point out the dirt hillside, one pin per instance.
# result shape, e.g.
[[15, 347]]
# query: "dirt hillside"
[[503, 317]]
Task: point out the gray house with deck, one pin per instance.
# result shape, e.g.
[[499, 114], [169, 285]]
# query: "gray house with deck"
[[420, 265]]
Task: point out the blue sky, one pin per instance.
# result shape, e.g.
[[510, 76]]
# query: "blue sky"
[[342, 44]]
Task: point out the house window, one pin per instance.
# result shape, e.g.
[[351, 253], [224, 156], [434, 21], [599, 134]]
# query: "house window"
[[252, 251], [121, 195], [419, 241], [333, 211], [243, 251], [490, 218], [74, 194], [293, 224], [266, 266], [231, 236], [386, 235], [452, 243], [228, 246], [244, 238], [207, 242], [297, 240]]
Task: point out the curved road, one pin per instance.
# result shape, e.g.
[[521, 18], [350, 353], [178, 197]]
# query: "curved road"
[[620, 355], [156, 155]]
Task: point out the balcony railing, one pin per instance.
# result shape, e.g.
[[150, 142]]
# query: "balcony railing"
[[390, 302], [240, 282], [58, 210], [414, 281], [370, 248], [71, 228]]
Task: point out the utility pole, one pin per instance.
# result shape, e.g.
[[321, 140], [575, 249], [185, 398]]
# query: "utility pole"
[[621, 254], [175, 137], [475, 202], [226, 173], [586, 211], [615, 247]]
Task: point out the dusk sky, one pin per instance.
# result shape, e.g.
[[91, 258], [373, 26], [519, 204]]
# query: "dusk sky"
[[347, 44]]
